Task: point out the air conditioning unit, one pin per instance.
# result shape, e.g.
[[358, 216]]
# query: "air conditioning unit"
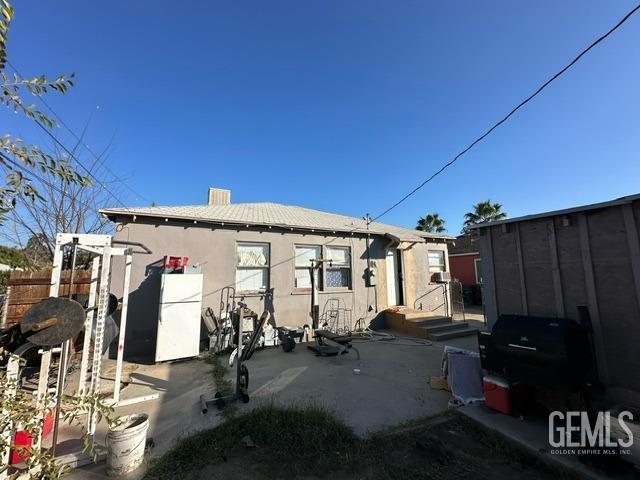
[[441, 277]]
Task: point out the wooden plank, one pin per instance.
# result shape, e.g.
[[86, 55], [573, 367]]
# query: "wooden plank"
[[523, 283], [634, 245], [43, 277], [592, 298], [555, 269], [29, 288]]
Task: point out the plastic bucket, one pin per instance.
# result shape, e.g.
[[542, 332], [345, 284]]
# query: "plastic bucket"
[[126, 444]]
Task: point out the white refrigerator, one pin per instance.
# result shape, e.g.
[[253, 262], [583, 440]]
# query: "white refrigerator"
[[179, 316]]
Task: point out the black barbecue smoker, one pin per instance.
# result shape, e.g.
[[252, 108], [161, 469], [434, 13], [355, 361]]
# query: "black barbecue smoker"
[[552, 354]]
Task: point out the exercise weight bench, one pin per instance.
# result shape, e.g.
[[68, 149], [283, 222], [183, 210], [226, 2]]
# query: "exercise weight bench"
[[330, 344]]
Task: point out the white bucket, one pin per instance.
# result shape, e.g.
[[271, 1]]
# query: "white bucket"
[[126, 443]]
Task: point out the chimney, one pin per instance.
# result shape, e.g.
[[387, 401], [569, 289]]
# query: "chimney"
[[219, 196]]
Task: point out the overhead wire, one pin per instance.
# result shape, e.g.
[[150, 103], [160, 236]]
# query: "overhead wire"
[[446, 165], [483, 136], [513, 111]]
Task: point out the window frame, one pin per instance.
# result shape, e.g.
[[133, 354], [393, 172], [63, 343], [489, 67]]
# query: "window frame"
[[341, 266], [442, 267], [296, 268], [322, 274], [266, 268], [478, 271]]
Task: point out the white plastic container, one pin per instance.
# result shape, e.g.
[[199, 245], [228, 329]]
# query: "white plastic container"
[[126, 444]]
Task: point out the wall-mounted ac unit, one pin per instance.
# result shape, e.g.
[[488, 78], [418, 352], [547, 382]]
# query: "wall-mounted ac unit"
[[441, 277]]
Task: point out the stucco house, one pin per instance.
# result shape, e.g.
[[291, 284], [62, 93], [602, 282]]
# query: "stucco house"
[[588, 257], [266, 247]]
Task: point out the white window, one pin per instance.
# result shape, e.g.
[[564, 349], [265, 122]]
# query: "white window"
[[328, 276], [478, 264], [303, 256], [436, 261], [338, 273], [252, 267]]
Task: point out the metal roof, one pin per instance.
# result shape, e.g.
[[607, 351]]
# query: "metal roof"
[[554, 213], [272, 215]]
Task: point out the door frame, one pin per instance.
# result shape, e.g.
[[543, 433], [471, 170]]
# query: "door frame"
[[398, 276]]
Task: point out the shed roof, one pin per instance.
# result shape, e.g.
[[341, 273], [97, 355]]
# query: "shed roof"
[[464, 244], [554, 213], [273, 215]]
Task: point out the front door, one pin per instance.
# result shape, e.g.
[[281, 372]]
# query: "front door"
[[394, 278]]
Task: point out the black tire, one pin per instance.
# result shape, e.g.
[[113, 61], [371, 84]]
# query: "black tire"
[[244, 377], [288, 344]]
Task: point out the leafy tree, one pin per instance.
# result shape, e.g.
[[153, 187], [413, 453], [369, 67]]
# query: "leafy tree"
[[19, 161], [14, 258], [60, 207], [431, 223], [483, 212]]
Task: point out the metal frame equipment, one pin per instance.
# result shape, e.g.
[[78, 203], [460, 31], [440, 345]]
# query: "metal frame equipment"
[[102, 248]]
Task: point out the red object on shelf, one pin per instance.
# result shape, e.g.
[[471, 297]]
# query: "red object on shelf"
[[24, 439], [497, 394], [175, 263]]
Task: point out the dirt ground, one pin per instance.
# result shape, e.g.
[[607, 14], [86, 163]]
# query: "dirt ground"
[[449, 447]]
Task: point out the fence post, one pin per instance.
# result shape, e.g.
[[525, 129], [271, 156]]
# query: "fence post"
[[5, 308]]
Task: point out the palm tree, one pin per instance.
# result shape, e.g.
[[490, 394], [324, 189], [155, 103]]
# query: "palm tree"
[[483, 212], [431, 223]]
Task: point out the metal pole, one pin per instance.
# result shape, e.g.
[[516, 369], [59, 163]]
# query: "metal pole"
[[45, 359], [5, 308], [103, 303], [315, 307], [64, 357], [239, 357], [88, 325], [367, 218], [123, 325]]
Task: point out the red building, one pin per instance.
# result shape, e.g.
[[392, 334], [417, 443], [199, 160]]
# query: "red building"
[[465, 265]]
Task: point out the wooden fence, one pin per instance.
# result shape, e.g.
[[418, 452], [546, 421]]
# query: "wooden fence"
[[28, 288]]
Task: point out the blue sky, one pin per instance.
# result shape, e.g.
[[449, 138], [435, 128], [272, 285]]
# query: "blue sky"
[[345, 106]]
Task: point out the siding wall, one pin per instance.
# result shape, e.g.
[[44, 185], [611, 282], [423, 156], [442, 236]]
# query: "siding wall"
[[215, 249], [549, 266], [463, 268]]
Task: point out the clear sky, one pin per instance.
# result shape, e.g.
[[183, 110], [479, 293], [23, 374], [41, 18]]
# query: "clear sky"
[[344, 106]]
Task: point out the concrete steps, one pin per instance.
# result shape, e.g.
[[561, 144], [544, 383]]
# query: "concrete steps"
[[426, 325], [456, 332]]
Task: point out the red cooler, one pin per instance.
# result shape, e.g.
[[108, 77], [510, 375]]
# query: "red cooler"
[[497, 394]]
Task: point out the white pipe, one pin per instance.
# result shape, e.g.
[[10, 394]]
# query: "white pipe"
[[123, 326]]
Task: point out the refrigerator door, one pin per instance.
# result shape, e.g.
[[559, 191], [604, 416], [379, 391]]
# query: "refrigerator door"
[[181, 288], [178, 331]]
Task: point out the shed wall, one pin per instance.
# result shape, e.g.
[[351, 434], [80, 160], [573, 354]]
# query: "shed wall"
[[583, 258]]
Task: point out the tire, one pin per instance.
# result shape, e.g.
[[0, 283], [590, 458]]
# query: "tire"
[[288, 344]]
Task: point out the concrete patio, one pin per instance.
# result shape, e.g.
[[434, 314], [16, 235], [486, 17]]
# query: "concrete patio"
[[392, 387]]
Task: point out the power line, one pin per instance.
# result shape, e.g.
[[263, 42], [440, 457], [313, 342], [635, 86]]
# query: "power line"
[[81, 142], [506, 117]]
